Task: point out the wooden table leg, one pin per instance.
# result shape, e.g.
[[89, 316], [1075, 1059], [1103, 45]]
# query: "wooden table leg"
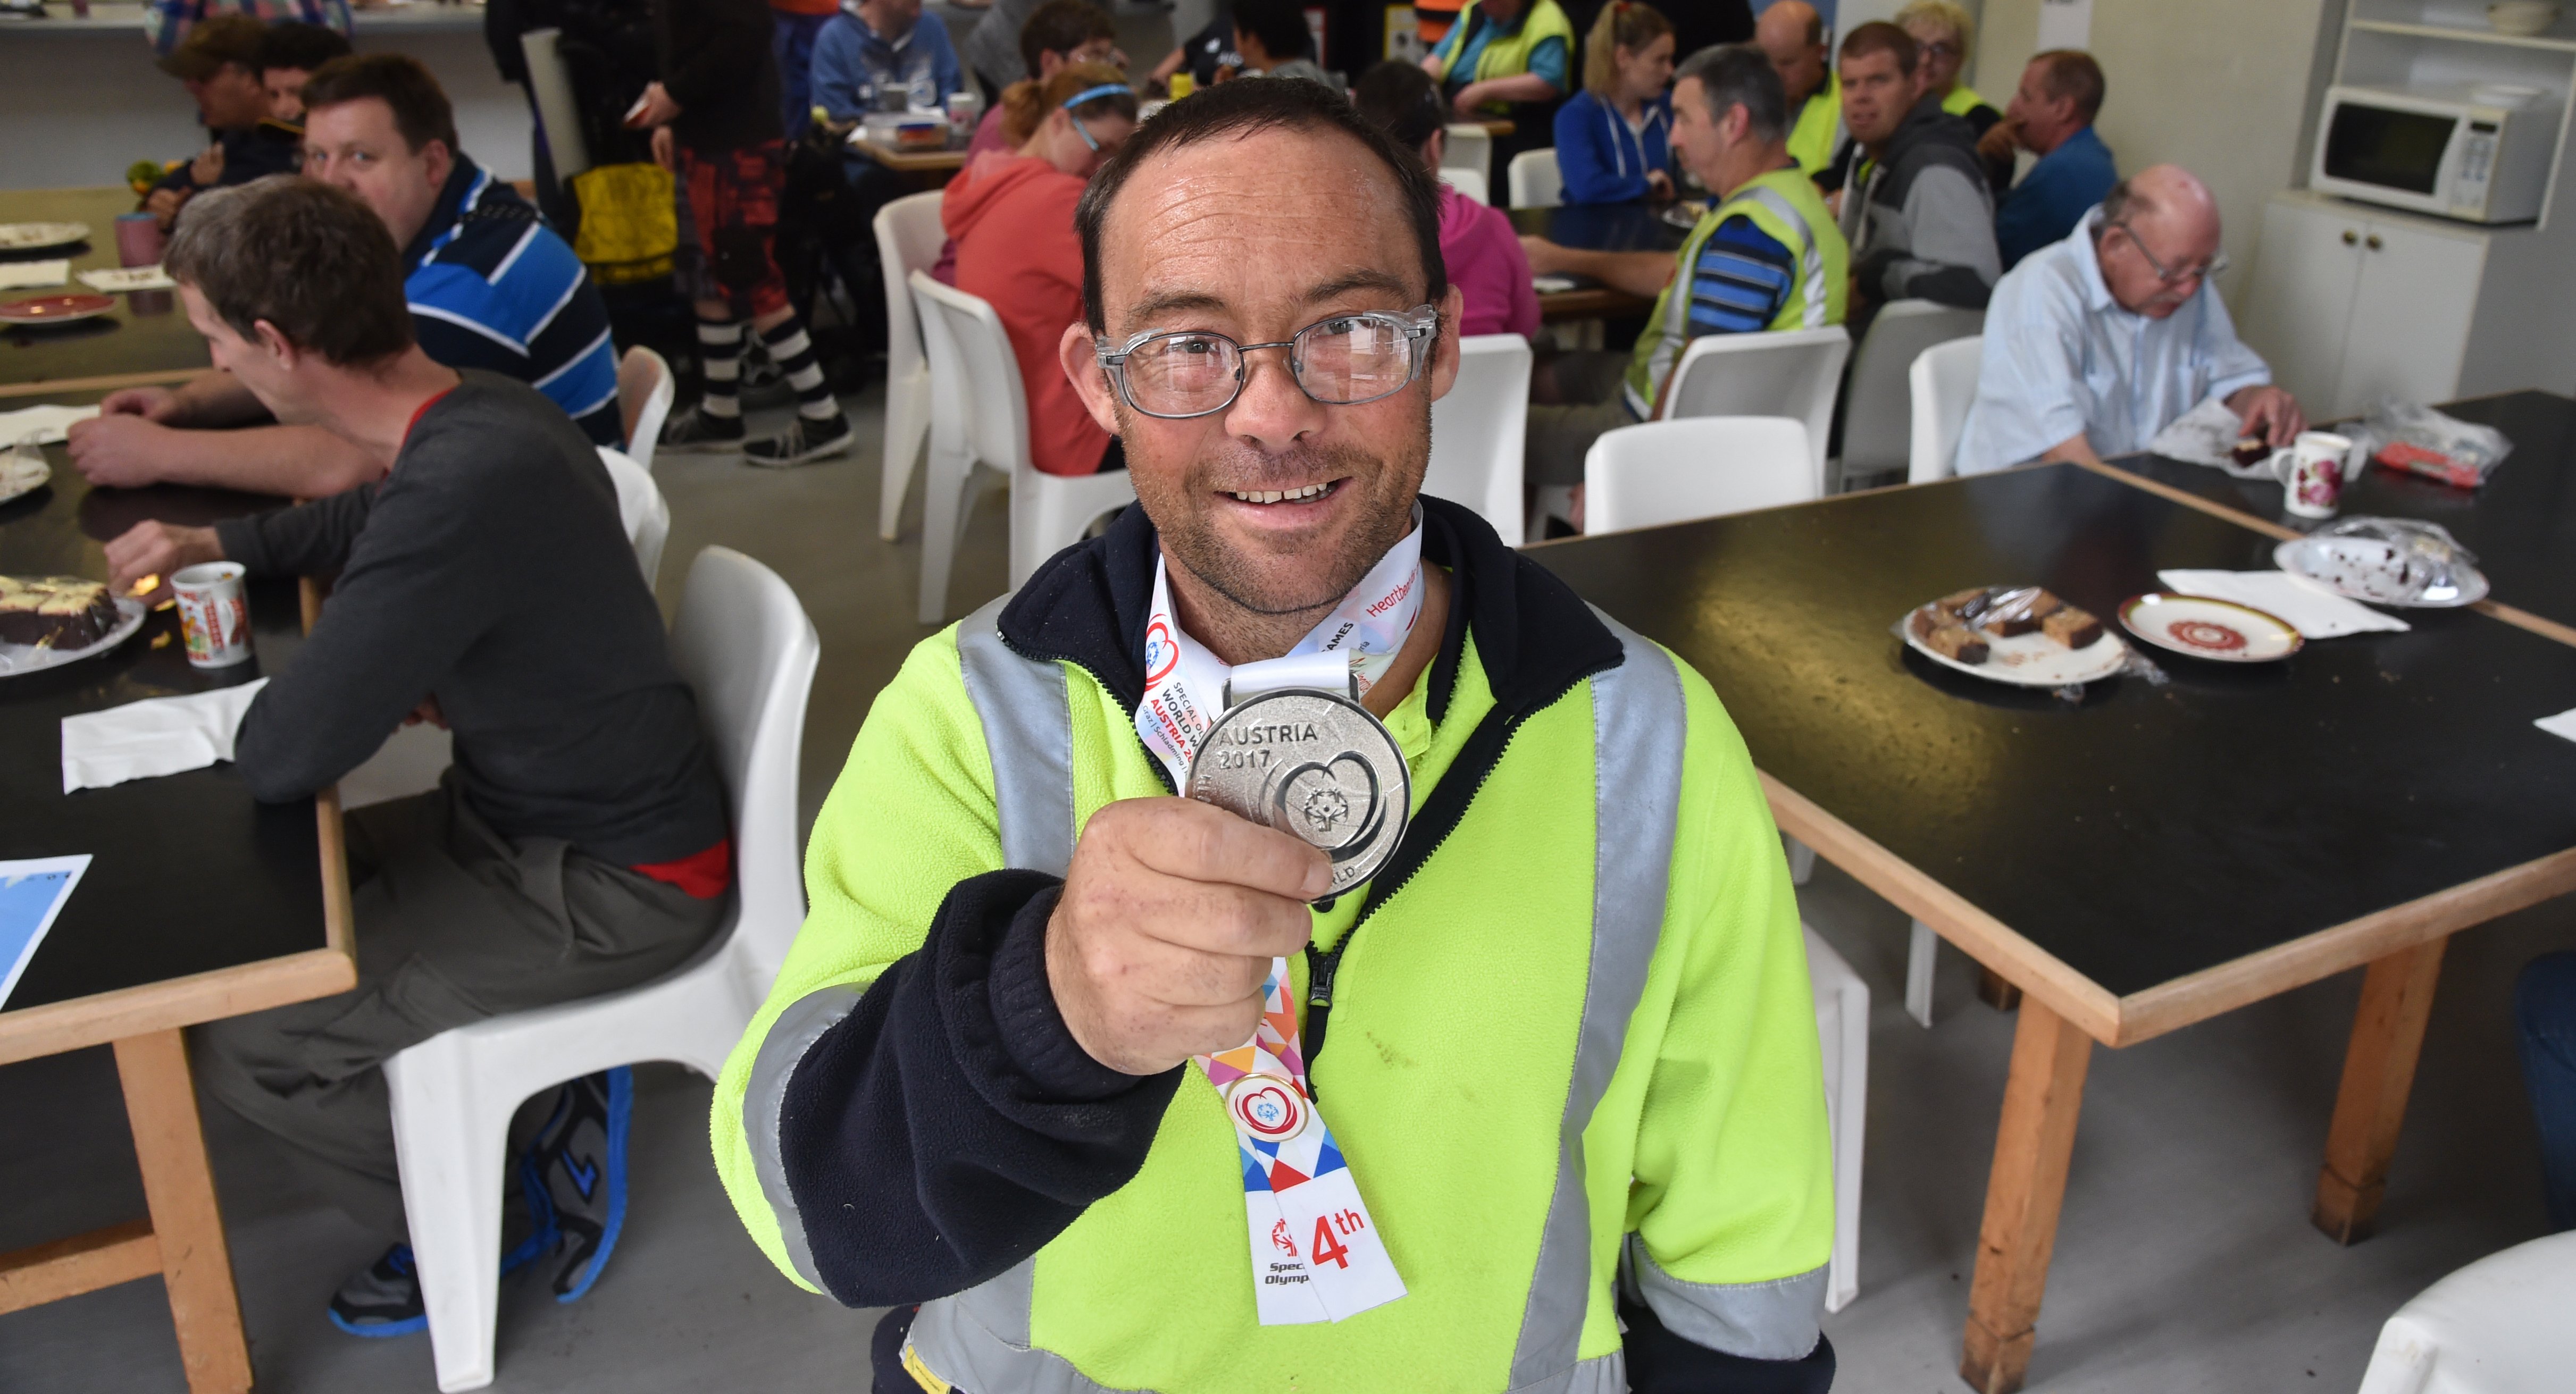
[[179, 1188], [2378, 1072], [2033, 1145]]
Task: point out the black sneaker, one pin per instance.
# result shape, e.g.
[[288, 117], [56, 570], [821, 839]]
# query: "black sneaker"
[[693, 429], [803, 440], [384, 1300], [580, 1159]]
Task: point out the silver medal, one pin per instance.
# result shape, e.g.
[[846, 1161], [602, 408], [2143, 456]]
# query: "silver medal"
[[1314, 765]]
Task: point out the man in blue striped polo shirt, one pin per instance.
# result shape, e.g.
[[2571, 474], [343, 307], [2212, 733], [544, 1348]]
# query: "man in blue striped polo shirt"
[[489, 284]]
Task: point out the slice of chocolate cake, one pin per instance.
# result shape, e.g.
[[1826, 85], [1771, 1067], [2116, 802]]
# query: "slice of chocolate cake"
[[58, 612]]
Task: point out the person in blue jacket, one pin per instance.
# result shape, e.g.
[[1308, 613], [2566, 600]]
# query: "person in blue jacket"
[[1613, 140]]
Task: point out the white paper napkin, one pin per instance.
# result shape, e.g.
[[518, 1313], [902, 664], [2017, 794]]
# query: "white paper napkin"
[[156, 736], [2203, 435], [2562, 725], [49, 425], [124, 278], [2313, 610], [29, 275]]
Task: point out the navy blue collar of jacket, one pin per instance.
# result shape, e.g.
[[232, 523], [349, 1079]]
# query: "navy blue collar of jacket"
[[1535, 636], [450, 209]]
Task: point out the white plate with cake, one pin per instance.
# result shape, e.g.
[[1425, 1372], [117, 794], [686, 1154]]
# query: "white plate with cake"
[[2014, 634], [47, 621], [36, 237], [22, 472]]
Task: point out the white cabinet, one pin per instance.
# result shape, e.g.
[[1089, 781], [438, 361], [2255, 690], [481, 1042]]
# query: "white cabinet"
[[2350, 306]]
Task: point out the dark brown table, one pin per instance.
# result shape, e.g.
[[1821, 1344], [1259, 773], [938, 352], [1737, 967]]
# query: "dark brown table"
[[145, 340], [2521, 523], [199, 903], [2149, 857], [1598, 227]]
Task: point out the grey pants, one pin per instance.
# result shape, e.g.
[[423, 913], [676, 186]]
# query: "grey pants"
[[1588, 402], [454, 924]]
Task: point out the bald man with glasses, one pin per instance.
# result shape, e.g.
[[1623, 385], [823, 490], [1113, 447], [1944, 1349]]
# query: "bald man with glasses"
[[2096, 343]]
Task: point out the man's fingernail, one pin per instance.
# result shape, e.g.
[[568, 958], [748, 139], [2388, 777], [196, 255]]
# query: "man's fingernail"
[[1319, 878]]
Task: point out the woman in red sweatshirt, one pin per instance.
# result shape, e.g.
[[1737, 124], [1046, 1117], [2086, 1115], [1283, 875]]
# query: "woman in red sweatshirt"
[[1010, 216]]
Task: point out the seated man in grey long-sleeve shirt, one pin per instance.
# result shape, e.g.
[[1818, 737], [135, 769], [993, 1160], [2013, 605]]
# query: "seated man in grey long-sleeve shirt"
[[1918, 214], [578, 845]]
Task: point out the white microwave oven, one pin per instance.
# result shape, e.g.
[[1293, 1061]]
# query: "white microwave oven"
[[2479, 154]]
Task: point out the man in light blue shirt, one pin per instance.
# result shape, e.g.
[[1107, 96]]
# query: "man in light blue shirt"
[[877, 55], [2096, 343]]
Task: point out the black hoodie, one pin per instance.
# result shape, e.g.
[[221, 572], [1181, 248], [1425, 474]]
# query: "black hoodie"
[[1922, 222]]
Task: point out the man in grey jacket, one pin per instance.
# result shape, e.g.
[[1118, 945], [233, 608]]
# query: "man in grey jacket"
[[1918, 214]]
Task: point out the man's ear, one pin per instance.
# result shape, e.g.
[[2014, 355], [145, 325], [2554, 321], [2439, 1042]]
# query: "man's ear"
[[273, 342], [1443, 368], [1082, 369], [440, 160]]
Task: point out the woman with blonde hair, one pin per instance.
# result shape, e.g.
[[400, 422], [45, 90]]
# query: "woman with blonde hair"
[[1614, 139], [1944, 33]]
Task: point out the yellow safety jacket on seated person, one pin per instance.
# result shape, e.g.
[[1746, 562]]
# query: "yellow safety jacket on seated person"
[[1817, 131], [1785, 205], [1508, 54], [1572, 1038]]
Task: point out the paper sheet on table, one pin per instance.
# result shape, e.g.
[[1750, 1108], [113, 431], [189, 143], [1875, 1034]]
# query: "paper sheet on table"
[[124, 278], [1552, 285], [2313, 610], [2562, 725], [2206, 435], [32, 275], [159, 735], [48, 425], [32, 893]]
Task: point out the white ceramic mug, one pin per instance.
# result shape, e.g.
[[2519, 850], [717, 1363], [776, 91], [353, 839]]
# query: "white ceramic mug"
[[2311, 471], [214, 613]]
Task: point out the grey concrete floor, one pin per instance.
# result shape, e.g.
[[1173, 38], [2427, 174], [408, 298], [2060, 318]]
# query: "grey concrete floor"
[[2185, 1261]]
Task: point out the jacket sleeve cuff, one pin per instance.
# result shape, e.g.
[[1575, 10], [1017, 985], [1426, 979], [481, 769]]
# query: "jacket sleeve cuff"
[[240, 538], [1032, 1030]]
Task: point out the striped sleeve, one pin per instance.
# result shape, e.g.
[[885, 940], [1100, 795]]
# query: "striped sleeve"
[[508, 295], [1743, 276]]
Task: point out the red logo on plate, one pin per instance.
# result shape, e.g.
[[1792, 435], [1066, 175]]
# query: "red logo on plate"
[[2205, 634]]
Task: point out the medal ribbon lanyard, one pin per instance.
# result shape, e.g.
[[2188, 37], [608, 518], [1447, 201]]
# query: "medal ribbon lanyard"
[[1315, 1251]]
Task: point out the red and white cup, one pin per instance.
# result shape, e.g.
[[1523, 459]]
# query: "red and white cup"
[[2311, 471], [214, 613], [139, 239]]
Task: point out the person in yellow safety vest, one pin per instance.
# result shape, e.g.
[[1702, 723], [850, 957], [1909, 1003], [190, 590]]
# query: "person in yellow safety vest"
[[1502, 52], [1792, 35], [1566, 1131], [1767, 257], [1944, 35]]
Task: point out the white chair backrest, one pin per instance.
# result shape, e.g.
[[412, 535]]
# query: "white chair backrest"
[[558, 113], [747, 650], [1478, 429], [1673, 471], [1535, 180], [1469, 183], [970, 349], [642, 509], [1793, 372], [644, 392], [1468, 147], [909, 236], [1878, 413], [1944, 383]]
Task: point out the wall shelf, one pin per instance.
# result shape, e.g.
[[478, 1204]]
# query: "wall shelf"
[[2454, 34]]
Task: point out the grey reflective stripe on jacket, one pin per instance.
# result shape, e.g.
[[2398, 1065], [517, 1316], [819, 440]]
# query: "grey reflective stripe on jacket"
[[1028, 732], [979, 1339]]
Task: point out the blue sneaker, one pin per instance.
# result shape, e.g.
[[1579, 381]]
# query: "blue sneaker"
[[384, 1300], [580, 1160]]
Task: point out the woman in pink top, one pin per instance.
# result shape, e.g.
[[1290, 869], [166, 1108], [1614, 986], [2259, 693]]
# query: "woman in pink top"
[[1477, 242]]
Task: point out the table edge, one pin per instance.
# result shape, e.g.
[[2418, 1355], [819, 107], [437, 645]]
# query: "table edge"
[[45, 387]]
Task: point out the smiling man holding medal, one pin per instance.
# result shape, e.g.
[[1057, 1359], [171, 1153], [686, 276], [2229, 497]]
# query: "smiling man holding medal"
[[1452, 1033]]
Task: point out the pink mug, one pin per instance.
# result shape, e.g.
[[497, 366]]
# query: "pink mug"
[[138, 239]]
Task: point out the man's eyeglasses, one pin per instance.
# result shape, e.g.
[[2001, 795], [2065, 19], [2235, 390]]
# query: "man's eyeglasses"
[[1343, 361], [2215, 266]]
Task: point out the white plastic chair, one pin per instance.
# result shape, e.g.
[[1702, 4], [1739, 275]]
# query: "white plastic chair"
[[1478, 429], [1469, 184], [909, 236], [641, 507], [2499, 1326], [982, 418], [1878, 409], [1466, 146], [1534, 179], [1793, 372], [746, 648], [1842, 1030], [1943, 383], [644, 392], [1661, 472]]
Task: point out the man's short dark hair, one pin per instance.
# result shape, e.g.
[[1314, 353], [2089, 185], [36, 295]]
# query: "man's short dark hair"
[[306, 257], [1879, 36], [398, 80], [1733, 75], [214, 43], [1280, 25], [298, 46], [1060, 27], [1240, 109], [2071, 72]]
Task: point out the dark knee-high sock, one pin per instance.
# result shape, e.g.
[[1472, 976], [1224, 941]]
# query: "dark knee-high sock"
[[793, 352]]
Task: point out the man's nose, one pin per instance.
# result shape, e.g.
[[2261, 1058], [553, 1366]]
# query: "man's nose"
[[1272, 411]]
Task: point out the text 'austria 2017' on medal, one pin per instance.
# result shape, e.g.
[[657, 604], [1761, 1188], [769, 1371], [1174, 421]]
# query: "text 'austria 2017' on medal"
[[1314, 765]]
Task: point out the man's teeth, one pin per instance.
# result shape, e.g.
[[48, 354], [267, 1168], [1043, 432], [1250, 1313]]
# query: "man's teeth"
[[1311, 491]]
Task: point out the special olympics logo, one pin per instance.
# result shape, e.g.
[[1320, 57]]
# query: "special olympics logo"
[[1281, 1239], [1161, 654], [1268, 1108], [2203, 634]]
